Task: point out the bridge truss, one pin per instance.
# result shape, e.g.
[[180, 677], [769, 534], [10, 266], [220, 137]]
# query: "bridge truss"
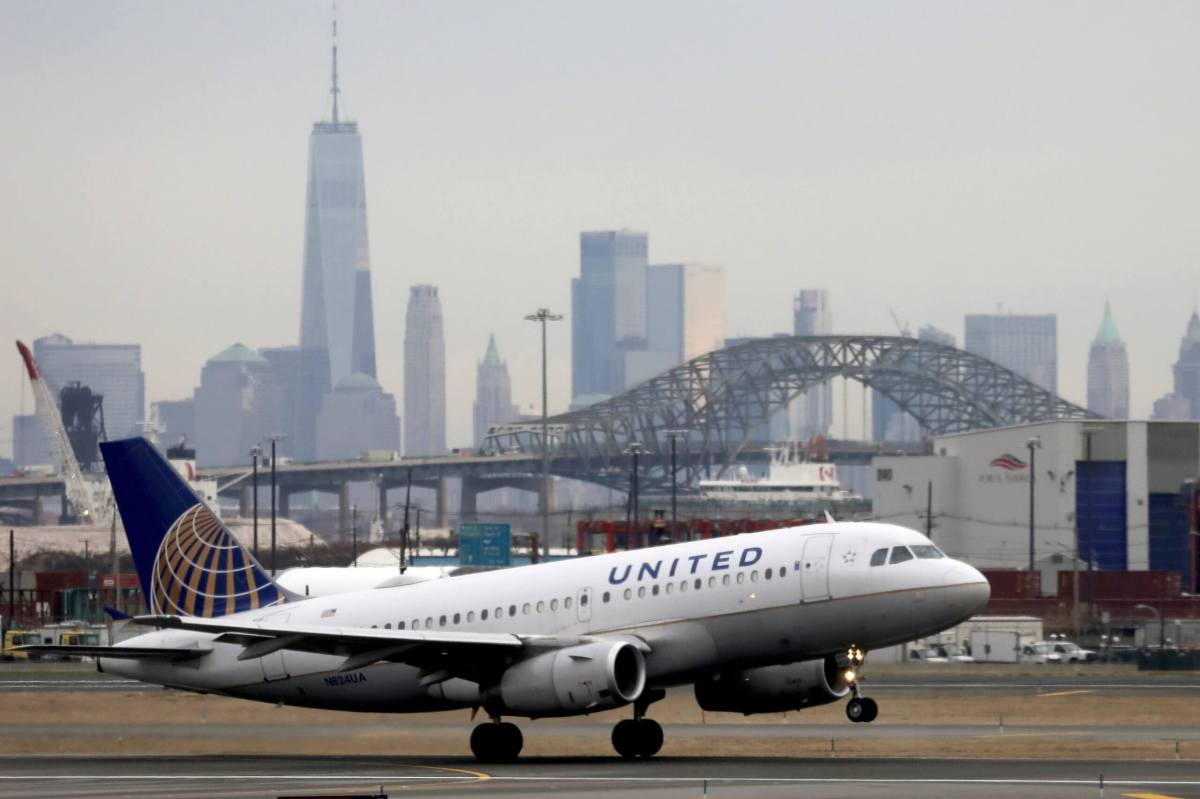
[[717, 403]]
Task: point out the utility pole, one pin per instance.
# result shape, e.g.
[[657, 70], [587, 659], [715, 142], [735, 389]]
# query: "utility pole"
[[929, 510], [116, 560], [1033, 444], [635, 449], [542, 316], [12, 578], [87, 579], [354, 534]]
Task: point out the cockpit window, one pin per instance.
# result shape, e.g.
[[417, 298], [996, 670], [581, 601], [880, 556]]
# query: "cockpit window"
[[900, 554], [927, 551], [879, 557]]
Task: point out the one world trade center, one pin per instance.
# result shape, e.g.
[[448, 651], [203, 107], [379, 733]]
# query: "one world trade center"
[[337, 328]]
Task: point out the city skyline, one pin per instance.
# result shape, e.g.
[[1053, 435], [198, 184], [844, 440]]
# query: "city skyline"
[[1038, 217]]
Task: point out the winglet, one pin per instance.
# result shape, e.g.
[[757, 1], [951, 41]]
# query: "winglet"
[[829, 517]]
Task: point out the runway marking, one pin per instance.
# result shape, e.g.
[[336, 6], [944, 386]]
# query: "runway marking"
[[1070, 693], [1148, 796]]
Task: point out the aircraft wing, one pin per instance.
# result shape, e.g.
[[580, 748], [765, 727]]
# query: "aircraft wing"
[[440, 655]]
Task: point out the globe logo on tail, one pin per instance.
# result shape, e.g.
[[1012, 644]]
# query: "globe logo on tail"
[[202, 570]]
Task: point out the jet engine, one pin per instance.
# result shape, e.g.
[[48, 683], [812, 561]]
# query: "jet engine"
[[575, 679], [774, 689]]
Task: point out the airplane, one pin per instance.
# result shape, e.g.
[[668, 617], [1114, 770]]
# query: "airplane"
[[757, 623]]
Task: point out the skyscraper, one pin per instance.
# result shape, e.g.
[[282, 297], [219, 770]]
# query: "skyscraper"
[[424, 374], [1187, 368], [608, 310], [812, 412], [111, 370], [355, 417], [1108, 371], [337, 329], [493, 393], [232, 407], [1024, 343], [685, 318]]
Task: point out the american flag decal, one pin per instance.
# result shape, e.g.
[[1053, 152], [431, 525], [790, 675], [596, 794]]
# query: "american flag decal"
[[328, 613], [1008, 462]]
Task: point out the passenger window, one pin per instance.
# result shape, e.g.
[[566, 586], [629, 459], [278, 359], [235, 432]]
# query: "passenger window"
[[525, 609], [428, 622], [442, 621], [712, 582], [470, 616], [927, 552], [741, 578], [605, 597], [767, 574], [782, 570], [374, 626], [900, 554], [554, 604], [567, 603], [698, 584], [499, 613], [512, 610], [879, 557], [456, 618], [654, 589], [641, 591], [583, 599], [683, 586], [416, 624], [628, 593], [399, 625], [754, 576], [387, 625], [483, 614], [725, 579], [541, 605]]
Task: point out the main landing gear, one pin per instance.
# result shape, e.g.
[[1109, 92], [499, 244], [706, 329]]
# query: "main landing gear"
[[860, 708], [639, 736], [496, 741]]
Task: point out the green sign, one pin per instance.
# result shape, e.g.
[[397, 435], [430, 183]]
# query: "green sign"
[[484, 544]]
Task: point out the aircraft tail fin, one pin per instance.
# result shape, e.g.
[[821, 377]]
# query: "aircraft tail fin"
[[188, 562]]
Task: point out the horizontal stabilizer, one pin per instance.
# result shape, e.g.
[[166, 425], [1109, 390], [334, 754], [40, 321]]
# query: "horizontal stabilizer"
[[122, 652]]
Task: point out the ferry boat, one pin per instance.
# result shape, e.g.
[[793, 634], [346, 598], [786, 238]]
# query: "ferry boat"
[[789, 479]]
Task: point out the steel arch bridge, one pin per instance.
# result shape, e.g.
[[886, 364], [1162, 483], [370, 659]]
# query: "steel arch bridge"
[[719, 401]]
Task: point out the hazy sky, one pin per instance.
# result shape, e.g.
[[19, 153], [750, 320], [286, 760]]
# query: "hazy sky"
[[937, 158]]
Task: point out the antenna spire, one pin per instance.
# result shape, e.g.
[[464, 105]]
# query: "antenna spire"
[[333, 89]]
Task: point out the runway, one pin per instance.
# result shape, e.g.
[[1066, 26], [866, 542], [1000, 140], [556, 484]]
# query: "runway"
[[50, 776]]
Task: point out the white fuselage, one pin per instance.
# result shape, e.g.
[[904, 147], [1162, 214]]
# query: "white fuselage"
[[699, 607]]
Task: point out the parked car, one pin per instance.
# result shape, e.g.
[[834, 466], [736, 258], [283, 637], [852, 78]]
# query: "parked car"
[[941, 653], [1056, 652]]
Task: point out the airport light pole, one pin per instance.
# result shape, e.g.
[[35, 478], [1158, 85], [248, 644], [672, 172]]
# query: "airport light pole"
[[255, 452], [635, 448], [674, 435], [273, 439], [1033, 444], [542, 316], [1162, 624]]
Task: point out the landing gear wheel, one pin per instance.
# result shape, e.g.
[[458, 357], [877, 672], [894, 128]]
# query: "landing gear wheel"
[[872, 710], [856, 710], [637, 738], [496, 742]]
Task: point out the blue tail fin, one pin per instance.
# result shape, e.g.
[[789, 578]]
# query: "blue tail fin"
[[188, 562]]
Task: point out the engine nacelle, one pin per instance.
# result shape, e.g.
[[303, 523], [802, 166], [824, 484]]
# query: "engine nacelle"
[[774, 689], [576, 679]]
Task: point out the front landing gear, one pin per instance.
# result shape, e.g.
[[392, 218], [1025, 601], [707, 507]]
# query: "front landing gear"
[[862, 709], [496, 742], [859, 708]]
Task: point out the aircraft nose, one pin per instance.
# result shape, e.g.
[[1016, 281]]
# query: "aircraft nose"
[[969, 589]]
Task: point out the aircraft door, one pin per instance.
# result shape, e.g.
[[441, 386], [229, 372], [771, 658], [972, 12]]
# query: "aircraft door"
[[583, 604], [814, 568], [272, 665]]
